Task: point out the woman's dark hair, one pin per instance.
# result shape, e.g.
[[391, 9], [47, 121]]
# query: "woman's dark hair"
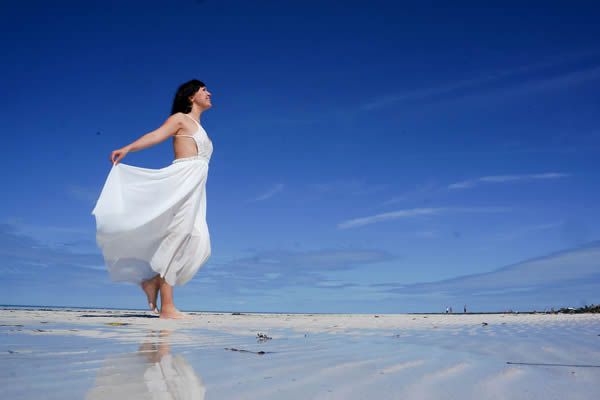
[[182, 97]]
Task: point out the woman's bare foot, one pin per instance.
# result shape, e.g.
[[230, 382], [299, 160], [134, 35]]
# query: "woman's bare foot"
[[151, 287], [170, 312]]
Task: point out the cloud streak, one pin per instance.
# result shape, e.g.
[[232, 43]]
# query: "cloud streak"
[[22, 254], [526, 230], [484, 84], [270, 193], [85, 193], [415, 212], [505, 179], [562, 272], [352, 186], [277, 269]]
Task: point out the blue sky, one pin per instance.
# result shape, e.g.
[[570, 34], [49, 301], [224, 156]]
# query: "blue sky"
[[372, 157]]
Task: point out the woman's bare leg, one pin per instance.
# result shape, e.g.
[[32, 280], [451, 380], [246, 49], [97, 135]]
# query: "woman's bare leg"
[[151, 288], [167, 308]]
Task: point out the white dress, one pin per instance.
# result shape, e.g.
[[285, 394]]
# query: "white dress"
[[153, 221]]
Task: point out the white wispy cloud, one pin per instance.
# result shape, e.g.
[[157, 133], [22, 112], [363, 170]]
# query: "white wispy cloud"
[[23, 251], [521, 76], [352, 223], [265, 270], [506, 178], [414, 212], [351, 186], [419, 192], [269, 193], [564, 81], [575, 266], [82, 192], [526, 230]]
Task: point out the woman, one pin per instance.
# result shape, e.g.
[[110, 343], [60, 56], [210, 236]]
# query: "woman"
[[151, 223]]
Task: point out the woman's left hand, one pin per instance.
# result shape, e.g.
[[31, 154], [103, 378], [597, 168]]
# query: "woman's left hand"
[[117, 155]]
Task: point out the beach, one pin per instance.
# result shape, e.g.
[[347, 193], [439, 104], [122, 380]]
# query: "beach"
[[110, 354]]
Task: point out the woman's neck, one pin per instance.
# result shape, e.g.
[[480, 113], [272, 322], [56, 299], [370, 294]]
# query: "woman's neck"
[[195, 113]]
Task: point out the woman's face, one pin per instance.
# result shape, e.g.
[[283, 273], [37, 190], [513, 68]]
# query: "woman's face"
[[202, 98]]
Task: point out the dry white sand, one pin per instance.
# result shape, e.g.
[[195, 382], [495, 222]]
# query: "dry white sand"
[[101, 354]]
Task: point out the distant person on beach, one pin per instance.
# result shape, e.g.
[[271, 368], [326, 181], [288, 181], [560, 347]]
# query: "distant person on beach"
[[151, 223], [446, 310], [465, 309]]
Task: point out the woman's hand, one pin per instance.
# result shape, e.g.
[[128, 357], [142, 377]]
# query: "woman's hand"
[[117, 155], [168, 129]]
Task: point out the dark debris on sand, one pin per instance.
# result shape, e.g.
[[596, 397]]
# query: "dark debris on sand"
[[261, 337], [260, 353]]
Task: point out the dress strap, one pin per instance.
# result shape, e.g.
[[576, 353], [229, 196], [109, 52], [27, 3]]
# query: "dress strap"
[[197, 123], [190, 136]]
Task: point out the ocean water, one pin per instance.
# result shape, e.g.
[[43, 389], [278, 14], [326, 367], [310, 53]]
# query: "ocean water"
[[117, 358]]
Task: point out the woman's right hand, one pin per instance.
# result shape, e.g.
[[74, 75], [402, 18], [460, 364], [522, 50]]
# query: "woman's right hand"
[[117, 155]]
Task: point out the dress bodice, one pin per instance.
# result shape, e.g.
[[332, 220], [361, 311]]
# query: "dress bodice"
[[203, 143]]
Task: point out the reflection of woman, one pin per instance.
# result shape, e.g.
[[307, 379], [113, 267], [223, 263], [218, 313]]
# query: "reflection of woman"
[[151, 373], [151, 223]]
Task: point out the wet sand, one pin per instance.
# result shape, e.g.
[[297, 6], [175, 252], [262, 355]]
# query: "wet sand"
[[108, 354]]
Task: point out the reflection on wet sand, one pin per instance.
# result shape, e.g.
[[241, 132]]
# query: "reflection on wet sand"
[[151, 373]]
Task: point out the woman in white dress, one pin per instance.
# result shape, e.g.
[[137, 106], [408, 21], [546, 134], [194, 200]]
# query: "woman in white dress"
[[151, 223]]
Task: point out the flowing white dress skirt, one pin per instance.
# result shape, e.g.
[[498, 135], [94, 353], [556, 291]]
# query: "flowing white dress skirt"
[[153, 221]]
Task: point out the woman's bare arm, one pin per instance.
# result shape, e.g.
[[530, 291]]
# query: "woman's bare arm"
[[168, 129]]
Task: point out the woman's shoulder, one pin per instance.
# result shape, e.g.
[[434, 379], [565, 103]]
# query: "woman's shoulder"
[[184, 119], [178, 116], [179, 119]]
